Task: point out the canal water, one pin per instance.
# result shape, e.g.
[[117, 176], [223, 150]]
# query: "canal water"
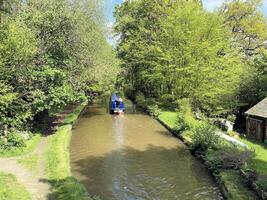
[[133, 157]]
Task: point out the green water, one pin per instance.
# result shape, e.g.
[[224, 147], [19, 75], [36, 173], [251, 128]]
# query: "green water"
[[132, 157]]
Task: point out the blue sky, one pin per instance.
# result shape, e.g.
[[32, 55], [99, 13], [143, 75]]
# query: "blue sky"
[[209, 4]]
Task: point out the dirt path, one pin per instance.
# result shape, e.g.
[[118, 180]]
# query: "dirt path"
[[34, 181], [38, 189]]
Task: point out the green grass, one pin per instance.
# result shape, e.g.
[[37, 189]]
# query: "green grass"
[[30, 162], [64, 186], [11, 189], [236, 189], [72, 117], [259, 161], [169, 118], [30, 146]]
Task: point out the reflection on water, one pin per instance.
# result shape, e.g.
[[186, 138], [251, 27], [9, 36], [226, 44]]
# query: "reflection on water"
[[132, 157]]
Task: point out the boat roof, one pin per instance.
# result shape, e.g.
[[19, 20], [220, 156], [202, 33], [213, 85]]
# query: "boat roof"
[[114, 96]]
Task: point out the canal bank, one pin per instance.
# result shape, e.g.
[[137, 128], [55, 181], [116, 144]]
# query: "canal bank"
[[231, 183], [134, 157]]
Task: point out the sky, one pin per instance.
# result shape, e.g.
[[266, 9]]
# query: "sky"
[[209, 4]]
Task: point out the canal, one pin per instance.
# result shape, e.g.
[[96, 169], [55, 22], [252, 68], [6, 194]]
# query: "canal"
[[133, 157]]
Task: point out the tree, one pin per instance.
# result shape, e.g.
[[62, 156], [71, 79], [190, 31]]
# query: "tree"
[[247, 24], [173, 50], [52, 53]]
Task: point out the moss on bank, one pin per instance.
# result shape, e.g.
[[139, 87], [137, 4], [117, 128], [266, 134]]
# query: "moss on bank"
[[11, 189]]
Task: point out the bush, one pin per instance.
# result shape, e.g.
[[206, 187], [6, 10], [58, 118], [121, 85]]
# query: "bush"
[[185, 119], [204, 137], [147, 104], [153, 110], [262, 182], [13, 140], [168, 101], [140, 100], [231, 158]]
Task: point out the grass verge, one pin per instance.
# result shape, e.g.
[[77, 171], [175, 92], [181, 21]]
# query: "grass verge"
[[11, 189], [30, 146], [235, 189], [73, 116], [64, 186], [259, 161]]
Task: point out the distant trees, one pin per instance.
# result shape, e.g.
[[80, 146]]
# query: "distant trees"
[[249, 31], [247, 24], [174, 50], [52, 53]]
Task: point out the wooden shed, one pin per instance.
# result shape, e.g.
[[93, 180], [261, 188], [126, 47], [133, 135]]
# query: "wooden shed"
[[256, 121]]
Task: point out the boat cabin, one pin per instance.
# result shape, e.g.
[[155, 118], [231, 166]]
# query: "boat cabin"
[[116, 104], [256, 121]]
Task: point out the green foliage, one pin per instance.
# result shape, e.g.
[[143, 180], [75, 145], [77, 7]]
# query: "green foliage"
[[185, 119], [235, 186], [52, 53], [247, 24], [178, 50], [153, 110], [29, 147], [204, 137], [262, 183], [228, 158], [254, 85], [13, 140]]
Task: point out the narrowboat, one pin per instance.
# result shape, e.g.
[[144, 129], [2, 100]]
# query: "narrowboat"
[[116, 104]]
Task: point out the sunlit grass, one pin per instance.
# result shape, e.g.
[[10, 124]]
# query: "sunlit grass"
[[11, 189], [30, 146], [30, 162], [63, 185], [259, 160], [169, 118]]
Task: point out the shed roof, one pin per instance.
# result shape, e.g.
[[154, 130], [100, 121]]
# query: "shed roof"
[[259, 109]]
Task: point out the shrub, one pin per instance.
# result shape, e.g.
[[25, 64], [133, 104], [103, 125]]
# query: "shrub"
[[13, 140], [262, 182], [153, 110], [168, 101], [147, 104], [232, 158], [185, 119], [140, 100], [204, 137]]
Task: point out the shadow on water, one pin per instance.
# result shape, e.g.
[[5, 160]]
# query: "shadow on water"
[[128, 174]]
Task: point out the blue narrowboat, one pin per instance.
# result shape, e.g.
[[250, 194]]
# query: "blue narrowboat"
[[116, 104]]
